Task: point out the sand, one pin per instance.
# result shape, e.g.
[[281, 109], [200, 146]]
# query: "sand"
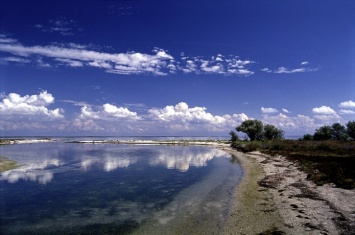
[[275, 197]]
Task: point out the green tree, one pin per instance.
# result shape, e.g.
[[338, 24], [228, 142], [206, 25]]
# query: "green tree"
[[234, 136], [271, 132], [339, 132], [307, 137], [323, 133], [351, 129], [253, 128]]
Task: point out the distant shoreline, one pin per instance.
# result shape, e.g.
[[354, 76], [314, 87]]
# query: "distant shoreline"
[[134, 142], [157, 142]]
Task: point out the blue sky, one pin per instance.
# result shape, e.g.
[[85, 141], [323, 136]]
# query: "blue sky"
[[174, 67]]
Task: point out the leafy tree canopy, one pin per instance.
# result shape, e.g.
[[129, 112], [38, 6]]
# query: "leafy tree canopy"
[[271, 132], [253, 128], [335, 132], [323, 133], [351, 129], [234, 136], [339, 132]]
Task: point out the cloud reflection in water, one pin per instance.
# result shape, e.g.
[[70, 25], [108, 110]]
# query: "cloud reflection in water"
[[108, 162], [42, 171], [35, 171], [184, 158]]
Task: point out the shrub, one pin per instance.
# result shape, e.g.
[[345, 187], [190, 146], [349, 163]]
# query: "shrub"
[[307, 137], [252, 146]]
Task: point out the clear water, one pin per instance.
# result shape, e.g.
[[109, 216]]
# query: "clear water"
[[66, 188]]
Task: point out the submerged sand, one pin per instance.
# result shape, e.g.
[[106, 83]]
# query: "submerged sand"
[[7, 164], [202, 208]]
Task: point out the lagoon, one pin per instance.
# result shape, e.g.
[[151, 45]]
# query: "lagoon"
[[76, 188]]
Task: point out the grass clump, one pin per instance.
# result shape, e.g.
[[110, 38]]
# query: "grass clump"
[[247, 146]]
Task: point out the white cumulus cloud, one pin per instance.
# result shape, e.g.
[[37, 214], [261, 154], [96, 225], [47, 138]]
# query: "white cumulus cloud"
[[326, 115], [240, 117], [328, 118], [323, 110], [29, 105], [347, 104], [108, 112], [183, 113], [182, 117], [291, 123]]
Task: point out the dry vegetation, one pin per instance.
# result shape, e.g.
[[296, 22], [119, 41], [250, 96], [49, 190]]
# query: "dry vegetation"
[[329, 161]]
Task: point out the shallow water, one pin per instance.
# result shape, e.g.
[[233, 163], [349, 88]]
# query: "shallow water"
[[114, 189]]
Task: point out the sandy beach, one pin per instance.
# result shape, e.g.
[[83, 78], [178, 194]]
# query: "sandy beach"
[[275, 197]]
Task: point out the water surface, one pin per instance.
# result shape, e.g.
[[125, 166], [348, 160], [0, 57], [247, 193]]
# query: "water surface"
[[114, 189]]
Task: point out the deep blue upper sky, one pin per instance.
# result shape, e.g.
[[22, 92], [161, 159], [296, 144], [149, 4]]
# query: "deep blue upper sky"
[[174, 67]]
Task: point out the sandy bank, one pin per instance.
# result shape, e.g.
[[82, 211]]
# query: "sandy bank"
[[24, 141], [254, 209], [275, 196]]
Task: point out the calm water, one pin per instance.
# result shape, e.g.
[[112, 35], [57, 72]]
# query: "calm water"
[[66, 188]]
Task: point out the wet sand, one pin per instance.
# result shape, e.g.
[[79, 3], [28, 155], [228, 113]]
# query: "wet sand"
[[254, 210]]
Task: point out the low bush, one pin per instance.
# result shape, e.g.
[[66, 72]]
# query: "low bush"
[[252, 146]]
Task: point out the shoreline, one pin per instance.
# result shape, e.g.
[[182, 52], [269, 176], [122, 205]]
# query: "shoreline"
[[24, 141], [275, 197], [253, 210], [212, 143]]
